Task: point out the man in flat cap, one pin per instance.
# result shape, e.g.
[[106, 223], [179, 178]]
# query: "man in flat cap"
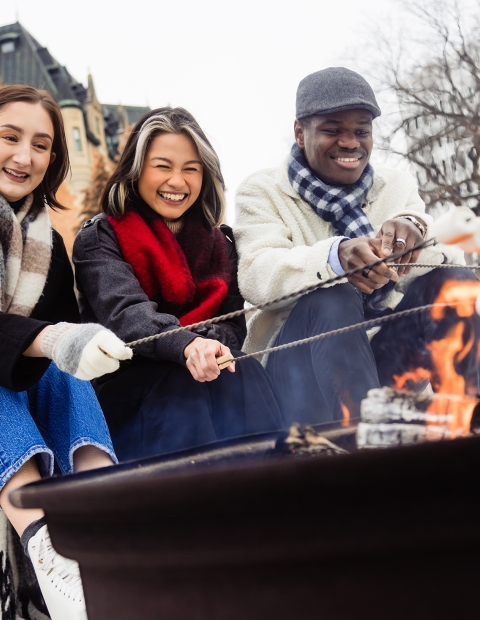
[[322, 213]]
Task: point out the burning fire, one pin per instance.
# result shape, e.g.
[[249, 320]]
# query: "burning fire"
[[350, 410], [345, 415], [450, 407]]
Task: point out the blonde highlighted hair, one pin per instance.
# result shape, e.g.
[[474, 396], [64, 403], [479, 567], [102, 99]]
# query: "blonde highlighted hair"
[[121, 190]]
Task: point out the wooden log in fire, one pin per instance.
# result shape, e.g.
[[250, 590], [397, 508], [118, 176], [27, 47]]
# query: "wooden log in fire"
[[303, 441], [392, 417]]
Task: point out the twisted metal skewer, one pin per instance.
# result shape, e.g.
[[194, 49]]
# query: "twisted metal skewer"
[[442, 266], [344, 330], [225, 361], [284, 298]]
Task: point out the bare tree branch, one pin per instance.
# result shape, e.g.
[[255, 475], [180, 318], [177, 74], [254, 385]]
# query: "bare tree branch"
[[431, 75]]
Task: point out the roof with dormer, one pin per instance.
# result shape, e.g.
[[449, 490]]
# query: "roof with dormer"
[[28, 62], [24, 61]]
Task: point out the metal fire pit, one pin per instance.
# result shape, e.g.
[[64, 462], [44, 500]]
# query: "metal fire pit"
[[225, 533]]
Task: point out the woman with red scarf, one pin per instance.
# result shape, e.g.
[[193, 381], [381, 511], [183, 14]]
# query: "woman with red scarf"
[[158, 258]]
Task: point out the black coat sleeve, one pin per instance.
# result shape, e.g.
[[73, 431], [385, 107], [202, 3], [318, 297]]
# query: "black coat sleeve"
[[17, 333], [57, 303], [231, 333], [110, 294]]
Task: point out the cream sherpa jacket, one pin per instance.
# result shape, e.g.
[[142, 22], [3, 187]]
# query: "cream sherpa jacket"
[[283, 245]]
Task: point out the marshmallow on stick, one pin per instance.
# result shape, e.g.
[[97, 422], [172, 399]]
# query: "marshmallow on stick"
[[458, 226]]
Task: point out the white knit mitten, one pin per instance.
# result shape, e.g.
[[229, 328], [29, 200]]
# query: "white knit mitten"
[[85, 351]]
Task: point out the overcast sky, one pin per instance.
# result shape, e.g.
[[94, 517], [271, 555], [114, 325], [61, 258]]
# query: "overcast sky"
[[234, 65]]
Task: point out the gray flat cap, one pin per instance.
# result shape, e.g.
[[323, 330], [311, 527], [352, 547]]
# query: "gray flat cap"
[[332, 90]]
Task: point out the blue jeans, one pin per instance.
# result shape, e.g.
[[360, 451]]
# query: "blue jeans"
[[312, 381], [52, 419]]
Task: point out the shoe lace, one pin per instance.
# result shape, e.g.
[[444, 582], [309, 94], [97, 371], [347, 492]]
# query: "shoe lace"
[[63, 573]]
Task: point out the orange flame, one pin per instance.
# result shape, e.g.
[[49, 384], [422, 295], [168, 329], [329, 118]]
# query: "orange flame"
[[415, 376], [350, 409], [450, 406], [346, 415], [462, 295]]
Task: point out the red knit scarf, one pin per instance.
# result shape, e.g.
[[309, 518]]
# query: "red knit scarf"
[[188, 275]]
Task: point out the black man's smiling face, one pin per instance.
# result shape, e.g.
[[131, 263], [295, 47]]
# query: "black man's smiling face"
[[337, 145]]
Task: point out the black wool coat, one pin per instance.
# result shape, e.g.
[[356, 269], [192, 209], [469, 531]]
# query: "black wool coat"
[[57, 303], [110, 294]]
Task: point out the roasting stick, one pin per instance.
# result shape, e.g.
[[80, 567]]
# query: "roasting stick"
[[226, 360], [290, 297], [457, 227]]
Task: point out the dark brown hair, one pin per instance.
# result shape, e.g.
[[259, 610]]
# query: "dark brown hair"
[[121, 189], [58, 169]]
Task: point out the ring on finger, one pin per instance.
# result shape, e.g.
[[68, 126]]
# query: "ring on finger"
[[366, 271], [401, 240]]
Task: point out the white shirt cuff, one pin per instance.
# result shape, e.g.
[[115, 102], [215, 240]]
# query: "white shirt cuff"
[[333, 259]]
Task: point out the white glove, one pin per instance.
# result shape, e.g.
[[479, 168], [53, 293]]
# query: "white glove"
[[84, 351]]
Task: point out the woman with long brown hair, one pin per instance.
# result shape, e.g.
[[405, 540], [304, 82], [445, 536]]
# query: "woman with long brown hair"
[[157, 258], [47, 414]]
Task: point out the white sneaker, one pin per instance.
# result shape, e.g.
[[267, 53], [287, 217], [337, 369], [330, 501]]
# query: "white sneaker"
[[58, 578]]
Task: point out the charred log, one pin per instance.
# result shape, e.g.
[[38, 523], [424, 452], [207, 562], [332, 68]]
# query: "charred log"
[[304, 441]]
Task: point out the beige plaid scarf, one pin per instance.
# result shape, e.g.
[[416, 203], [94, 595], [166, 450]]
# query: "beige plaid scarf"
[[25, 255]]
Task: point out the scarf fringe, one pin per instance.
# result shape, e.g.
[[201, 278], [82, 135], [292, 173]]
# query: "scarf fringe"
[[25, 255]]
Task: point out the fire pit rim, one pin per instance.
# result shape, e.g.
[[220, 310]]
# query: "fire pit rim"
[[356, 472]]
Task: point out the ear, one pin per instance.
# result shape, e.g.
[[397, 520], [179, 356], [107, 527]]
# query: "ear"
[[53, 157], [299, 131]]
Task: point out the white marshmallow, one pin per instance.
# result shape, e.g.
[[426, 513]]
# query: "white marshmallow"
[[458, 226]]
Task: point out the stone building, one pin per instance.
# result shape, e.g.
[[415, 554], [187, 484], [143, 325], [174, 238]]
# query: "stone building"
[[95, 132]]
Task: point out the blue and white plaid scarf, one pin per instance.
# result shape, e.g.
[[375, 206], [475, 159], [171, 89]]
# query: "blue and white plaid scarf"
[[341, 206]]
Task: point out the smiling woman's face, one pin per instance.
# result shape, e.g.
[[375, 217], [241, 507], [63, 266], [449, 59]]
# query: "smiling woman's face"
[[26, 137], [171, 177], [337, 146]]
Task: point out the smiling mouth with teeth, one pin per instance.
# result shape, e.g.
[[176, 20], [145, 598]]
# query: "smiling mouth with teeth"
[[175, 197], [348, 159], [21, 175]]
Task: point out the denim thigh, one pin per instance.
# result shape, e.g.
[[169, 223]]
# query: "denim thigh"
[[20, 439], [68, 415]]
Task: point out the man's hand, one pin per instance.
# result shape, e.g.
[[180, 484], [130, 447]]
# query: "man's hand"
[[201, 355], [398, 235], [359, 252]]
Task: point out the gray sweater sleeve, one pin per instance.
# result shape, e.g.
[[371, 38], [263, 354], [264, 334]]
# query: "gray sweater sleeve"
[[110, 294]]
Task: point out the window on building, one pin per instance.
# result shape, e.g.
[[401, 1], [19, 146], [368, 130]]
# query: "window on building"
[[7, 47], [76, 139]]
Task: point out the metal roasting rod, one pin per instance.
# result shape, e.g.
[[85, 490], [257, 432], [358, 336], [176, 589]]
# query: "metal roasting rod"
[[342, 330], [443, 266], [308, 289], [225, 360]]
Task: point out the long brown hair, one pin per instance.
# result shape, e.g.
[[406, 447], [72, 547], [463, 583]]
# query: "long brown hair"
[[121, 189], [58, 169]]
